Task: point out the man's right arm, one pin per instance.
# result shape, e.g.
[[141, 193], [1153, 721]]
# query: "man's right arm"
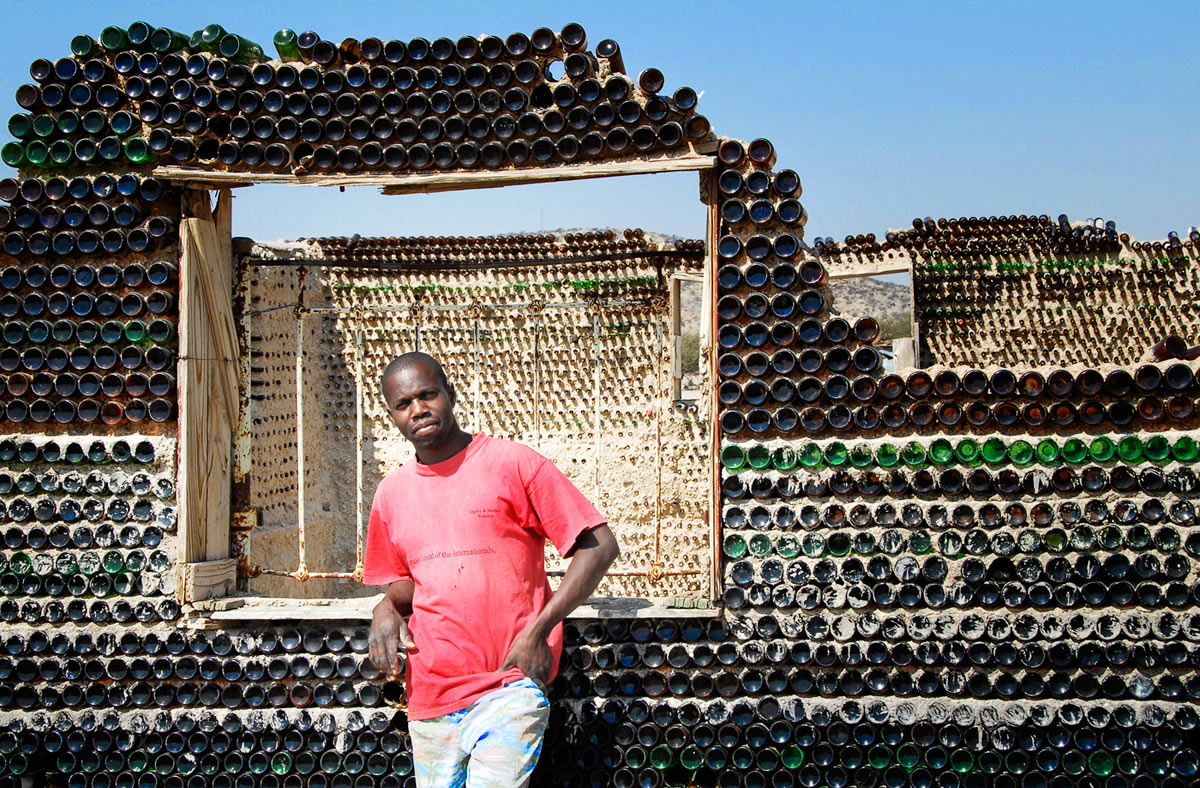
[[390, 629]]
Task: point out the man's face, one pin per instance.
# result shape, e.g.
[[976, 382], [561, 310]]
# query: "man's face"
[[420, 405]]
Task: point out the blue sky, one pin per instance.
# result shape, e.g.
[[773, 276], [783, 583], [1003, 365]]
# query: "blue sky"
[[887, 110]]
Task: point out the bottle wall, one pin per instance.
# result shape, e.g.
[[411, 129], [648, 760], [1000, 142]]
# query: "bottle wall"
[[965, 576], [562, 343]]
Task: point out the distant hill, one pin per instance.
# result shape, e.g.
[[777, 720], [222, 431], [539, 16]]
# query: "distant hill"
[[863, 297]]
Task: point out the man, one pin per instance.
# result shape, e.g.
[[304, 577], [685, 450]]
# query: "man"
[[458, 535]]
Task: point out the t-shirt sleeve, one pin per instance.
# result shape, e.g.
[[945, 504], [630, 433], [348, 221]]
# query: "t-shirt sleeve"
[[563, 513], [383, 562]]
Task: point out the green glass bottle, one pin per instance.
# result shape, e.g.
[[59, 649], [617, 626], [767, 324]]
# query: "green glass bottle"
[[1156, 449], [1185, 449], [61, 152], [164, 40], [1101, 449], [281, 762], [83, 47], [1047, 452], [838, 544], [122, 122], [1129, 449], [961, 760], [835, 454], [733, 458], [20, 564], [887, 455], [690, 757], [758, 457], [68, 122], [734, 546], [113, 38], [784, 458], [787, 546], [113, 562], [240, 50], [1101, 763], [879, 756], [792, 757], [196, 42], [1074, 451], [138, 761], [660, 757], [37, 153], [44, 126], [135, 332], [861, 456], [286, 46], [914, 455], [13, 154], [137, 150], [1056, 540], [920, 542], [759, 545], [941, 452], [813, 545], [908, 755], [211, 35], [967, 451], [810, 455], [138, 34], [20, 125], [94, 122], [994, 451], [1020, 452]]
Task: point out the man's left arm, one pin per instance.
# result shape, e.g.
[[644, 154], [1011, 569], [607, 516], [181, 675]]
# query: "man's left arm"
[[594, 551]]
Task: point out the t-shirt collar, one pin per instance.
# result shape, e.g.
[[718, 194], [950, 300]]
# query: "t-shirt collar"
[[452, 464]]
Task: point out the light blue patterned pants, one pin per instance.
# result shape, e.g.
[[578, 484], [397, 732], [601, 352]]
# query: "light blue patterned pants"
[[493, 743]]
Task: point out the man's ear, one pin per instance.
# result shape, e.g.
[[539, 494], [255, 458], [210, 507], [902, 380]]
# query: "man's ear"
[[453, 394]]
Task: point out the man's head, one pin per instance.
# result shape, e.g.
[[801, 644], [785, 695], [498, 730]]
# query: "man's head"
[[419, 399]]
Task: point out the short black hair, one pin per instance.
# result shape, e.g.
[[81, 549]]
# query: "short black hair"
[[414, 358]]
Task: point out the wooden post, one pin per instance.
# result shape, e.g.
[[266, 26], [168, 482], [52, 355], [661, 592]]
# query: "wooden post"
[[208, 398]]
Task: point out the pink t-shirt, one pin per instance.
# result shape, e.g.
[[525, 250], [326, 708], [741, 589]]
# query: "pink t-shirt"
[[470, 532]]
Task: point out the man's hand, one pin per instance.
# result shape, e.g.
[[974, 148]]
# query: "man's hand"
[[531, 654], [387, 630]]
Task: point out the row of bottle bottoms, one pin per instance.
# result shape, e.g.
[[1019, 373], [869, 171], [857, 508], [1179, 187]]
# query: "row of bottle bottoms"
[[73, 451], [83, 537], [1132, 449], [88, 242], [814, 420], [883, 596], [877, 652], [87, 411], [65, 331], [953, 546], [39, 192], [95, 611], [58, 359], [74, 216], [653, 750], [1035, 483], [72, 510], [802, 683]]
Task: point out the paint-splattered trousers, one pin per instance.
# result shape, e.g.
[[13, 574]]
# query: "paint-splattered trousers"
[[493, 743]]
